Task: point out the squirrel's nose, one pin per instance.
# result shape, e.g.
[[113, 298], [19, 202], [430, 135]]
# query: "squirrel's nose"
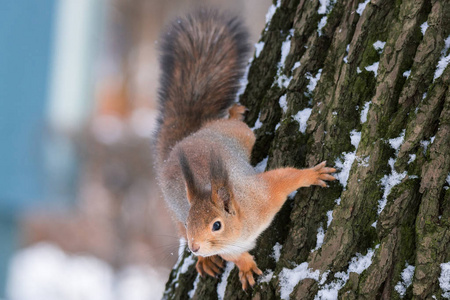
[[195, 247]]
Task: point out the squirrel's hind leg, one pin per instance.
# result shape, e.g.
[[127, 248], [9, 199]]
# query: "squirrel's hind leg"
[[247, 267], [237, 112]]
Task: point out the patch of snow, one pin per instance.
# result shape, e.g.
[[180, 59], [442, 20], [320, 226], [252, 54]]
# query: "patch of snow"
[[444, 279], [425, 145], [283, 80], [258, 48], [191, 293], [277, 251], [374, 224], [346, 164], [412, 157], [361, 7], [424, 27], [373, 68], [296, 65], [188, 261], [398, 141], [320, 237], [358, 264], [443, 61], [302, 117], [266, 276], [358, 70], [324, 277], [338, 201], [289, 278], [355, 138], [323, 7], [407, 277], [271, 12], [224, 281], [262, 165], [258, 123], [329, 217], [448, 178], [285, 48], [283, 103], [379, 46], [313, 80], [388, 182], [407, 73], [321, 25]]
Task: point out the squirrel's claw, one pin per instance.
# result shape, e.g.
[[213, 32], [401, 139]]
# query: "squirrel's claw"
[[322, 173], [212, 266], [246, 277]]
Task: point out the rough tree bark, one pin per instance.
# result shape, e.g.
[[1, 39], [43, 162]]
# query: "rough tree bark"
[[381, 112]]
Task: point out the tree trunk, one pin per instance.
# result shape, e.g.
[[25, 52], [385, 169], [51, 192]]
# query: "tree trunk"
[[373, 86]]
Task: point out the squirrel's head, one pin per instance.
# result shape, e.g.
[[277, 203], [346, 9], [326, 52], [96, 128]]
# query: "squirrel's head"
[[213, 224]]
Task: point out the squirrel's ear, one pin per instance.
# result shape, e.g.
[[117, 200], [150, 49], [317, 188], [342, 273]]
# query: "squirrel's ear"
[[192, 188], [221, 191]]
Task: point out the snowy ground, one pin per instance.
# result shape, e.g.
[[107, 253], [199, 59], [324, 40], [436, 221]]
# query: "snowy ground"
[[45, 272]]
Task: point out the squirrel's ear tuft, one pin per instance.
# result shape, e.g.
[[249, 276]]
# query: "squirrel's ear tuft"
[[221, 191], [192, 188]]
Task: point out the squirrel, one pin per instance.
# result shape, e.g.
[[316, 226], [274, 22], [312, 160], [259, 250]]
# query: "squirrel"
[[203, 147]]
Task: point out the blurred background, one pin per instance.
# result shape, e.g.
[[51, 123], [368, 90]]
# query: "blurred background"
[[81, 216]]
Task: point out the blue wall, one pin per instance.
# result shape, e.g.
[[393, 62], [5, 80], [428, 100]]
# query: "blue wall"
[[25, 51]]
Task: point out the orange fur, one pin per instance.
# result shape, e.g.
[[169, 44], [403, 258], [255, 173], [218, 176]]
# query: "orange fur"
[[282, 182], [237, 112]]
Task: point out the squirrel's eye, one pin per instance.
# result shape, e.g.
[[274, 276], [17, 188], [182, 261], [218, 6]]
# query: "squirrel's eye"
[[216, 226]]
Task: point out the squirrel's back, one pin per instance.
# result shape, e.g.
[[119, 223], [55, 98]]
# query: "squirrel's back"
[[202, 61]]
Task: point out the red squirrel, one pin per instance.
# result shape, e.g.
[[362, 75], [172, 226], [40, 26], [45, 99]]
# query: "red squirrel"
[[203, 147]]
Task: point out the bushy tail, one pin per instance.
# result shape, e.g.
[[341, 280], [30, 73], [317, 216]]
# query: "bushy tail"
[[203, 59]]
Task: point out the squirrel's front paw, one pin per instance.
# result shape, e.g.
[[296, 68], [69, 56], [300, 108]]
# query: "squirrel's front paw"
[[322, 173], [247, 267], [211, 265], [246, 276]]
